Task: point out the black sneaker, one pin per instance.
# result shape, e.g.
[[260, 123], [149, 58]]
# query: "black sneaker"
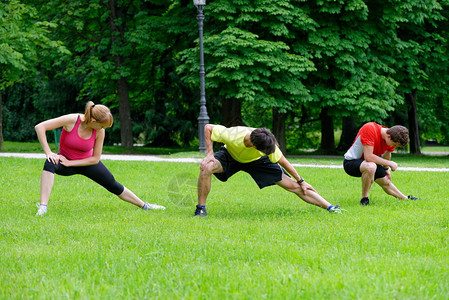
[[200, 211], [364, 201], [410, 197]]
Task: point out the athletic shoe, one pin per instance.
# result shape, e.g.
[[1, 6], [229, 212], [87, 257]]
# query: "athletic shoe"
[[410, 197], [364, 202], [336, 209], [42, 210], [149, 206], [200, 211]]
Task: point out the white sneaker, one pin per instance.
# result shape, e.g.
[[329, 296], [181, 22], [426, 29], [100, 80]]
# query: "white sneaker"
[[42, 210], [148, 206]]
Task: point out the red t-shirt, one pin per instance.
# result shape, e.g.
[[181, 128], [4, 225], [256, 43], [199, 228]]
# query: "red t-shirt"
[[74, 147], [370, 135]]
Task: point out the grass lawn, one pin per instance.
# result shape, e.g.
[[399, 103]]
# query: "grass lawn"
[[254, 243], [403, 160], [35, 147]]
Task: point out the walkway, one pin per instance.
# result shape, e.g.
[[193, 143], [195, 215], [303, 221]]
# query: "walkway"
[[198, 160]]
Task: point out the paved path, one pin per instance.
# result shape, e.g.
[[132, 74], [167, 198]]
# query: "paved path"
[[198, 160]]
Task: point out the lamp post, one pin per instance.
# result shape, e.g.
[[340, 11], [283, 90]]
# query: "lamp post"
[[203, 118]]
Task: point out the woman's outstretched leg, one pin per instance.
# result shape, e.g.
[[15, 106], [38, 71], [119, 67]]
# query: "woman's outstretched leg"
[[130, 197]]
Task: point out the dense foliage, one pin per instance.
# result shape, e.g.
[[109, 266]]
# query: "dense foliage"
[[306, 69]]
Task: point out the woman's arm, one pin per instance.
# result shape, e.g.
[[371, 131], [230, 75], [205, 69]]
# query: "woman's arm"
[[41, 129]]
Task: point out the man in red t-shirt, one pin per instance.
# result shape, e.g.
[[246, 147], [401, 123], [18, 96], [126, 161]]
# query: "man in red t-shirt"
[[370, 158]]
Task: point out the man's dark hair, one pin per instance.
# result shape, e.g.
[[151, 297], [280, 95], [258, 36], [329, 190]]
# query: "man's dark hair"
[[263, 140], [399, 134]]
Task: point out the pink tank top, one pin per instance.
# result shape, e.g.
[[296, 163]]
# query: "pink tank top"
[[74, 147]]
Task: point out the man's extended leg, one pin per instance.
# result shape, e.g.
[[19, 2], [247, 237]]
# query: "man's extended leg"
[[390, 188], [310, 196]]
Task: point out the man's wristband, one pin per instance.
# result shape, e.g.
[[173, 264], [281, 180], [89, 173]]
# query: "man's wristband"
[[301, 180]]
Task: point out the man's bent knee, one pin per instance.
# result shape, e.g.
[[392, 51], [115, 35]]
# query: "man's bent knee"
[[211, 168], [368, 167]]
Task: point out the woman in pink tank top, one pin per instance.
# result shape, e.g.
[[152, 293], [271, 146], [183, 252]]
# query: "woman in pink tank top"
[[81, 145]]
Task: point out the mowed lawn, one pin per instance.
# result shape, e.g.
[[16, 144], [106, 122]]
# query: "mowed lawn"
[[254, 244]]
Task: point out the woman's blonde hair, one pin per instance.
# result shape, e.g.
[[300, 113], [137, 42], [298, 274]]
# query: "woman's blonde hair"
[[99, 112]]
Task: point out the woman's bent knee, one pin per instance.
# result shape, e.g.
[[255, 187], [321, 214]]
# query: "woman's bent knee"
[[50, 166]]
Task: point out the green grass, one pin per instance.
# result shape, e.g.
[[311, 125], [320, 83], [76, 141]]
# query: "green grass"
[[254, 243], [435, 149], [404, 160], [35, 147], [32, 147]]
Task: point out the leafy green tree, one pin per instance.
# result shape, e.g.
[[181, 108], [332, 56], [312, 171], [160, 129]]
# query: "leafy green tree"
[[416, 32], [123, 56], [23, 42], [350, 79], [286, 54], [248, 60], [301, 66]]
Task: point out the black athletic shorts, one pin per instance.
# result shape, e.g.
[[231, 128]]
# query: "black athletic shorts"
[[352, 167], [263, 171], [98, 173]]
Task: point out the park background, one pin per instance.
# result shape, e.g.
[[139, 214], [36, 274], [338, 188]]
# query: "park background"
[[311, 71]]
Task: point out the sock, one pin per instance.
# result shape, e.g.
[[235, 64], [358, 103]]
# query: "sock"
[[145, 206], [43, 206], [330, 207]]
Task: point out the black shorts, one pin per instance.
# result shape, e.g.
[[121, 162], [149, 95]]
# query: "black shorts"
[[98, 173], [352, 167], [263, 171]]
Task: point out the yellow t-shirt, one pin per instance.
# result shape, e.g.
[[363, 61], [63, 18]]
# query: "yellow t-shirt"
[[233, 139]]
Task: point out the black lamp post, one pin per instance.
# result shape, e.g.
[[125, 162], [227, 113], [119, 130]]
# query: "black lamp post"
[[203, 118]]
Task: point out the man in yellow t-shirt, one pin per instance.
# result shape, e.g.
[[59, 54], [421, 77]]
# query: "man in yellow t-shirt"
[[255, 151]]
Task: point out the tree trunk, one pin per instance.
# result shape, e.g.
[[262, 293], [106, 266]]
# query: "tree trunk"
[[231, 113], [348, 134], [327, 132], [279, 128], [1, 122], [118, 34], [410, 99], [126, 131]]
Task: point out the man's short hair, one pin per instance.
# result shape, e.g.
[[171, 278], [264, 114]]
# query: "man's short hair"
[[399, 134], [263, 140]]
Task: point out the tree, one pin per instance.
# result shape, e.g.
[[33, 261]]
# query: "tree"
[[248, 61], [416, 31], [119, 47], [23, 42], [351, 80], [124, 56], [300, 66]]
